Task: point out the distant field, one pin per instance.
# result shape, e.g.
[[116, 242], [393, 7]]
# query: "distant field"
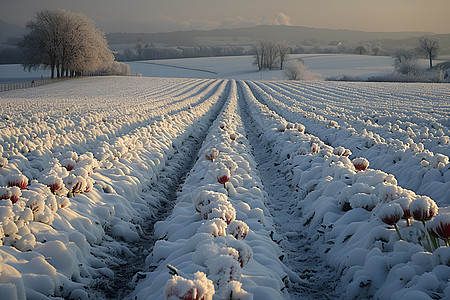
[[234, 67], [237, 67]]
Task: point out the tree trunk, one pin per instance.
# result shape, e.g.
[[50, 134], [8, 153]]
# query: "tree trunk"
[[53, 70], [431, 60]]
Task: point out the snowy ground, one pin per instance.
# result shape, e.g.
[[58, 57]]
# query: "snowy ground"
[[234, 67], [151, 188]]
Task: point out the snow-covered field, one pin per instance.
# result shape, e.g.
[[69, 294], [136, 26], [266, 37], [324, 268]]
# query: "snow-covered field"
[[235, 67], [184, 188]]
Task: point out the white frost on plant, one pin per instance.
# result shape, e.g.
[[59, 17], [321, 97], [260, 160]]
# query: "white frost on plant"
[[423, 208]]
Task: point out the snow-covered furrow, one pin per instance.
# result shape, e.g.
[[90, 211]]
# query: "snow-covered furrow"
[[161, 193], [74, 125], [218, 239], [387, 101], [54, 245], [419, 170], [38, 146], [340, 205], [346, 108], [299, 256]]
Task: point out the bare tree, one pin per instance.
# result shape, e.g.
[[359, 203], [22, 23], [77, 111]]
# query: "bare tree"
[[267, 54], [429, 47], [139, 47], [283, 52]]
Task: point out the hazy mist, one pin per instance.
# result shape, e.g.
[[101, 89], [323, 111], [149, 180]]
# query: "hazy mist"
[[170, 15]]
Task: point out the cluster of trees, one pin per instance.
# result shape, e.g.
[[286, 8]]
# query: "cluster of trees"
[[365, 49], [66, 42], [405, 59], [270, 54], [150, 51]]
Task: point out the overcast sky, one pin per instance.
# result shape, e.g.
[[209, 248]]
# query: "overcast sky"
[[169, 15]]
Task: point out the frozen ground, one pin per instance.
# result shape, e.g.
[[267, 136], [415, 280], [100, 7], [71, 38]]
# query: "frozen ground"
[[239, 67], [157, 188], [235, 67]]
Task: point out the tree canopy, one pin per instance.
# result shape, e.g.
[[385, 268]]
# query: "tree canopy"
[[65, 42], [429, 47]]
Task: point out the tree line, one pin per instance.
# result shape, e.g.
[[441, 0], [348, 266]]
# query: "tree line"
[[65, 42], [144, 51], [270, 54]]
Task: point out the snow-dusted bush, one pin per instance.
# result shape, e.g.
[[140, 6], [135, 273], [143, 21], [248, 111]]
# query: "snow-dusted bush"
[[116, 68], [298, 71]]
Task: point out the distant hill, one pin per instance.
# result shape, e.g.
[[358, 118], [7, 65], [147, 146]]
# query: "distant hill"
[[8, 31], [294, 35]]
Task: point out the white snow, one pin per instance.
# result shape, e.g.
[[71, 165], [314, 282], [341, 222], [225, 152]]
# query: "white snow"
[[79, 161]]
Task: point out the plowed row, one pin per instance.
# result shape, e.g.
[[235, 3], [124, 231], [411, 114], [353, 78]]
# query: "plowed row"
[[286, 198]]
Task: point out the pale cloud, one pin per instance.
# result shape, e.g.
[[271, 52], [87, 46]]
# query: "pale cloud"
[[281, 19]]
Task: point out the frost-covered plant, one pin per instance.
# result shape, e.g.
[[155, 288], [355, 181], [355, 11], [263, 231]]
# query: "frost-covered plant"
[[54, 182], [229, 163], [201, 288], [390, 214], [17, 180], [405, 203], [211, 154], [281, 127], [366, 201], [3, 162], [223, 176], [75, 184], [233, 291], [388, 192], [341, 151], [224, 269], [219, 209], [68, 163], [5, 193], [238, 229], [15, 193], [314, 148], [301, 127], [205, 197], [440, 227], [216, 227], [360, 163], [424, 209]]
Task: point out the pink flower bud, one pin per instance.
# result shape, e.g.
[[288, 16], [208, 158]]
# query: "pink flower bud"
[[440, 226], [211, 154], [314, 148], [301, 127], [423, 208], [360, 163], [391, 213]]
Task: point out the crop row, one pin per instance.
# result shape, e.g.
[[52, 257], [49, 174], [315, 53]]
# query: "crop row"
[[56, 203], [416, 168], [377, 234]]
